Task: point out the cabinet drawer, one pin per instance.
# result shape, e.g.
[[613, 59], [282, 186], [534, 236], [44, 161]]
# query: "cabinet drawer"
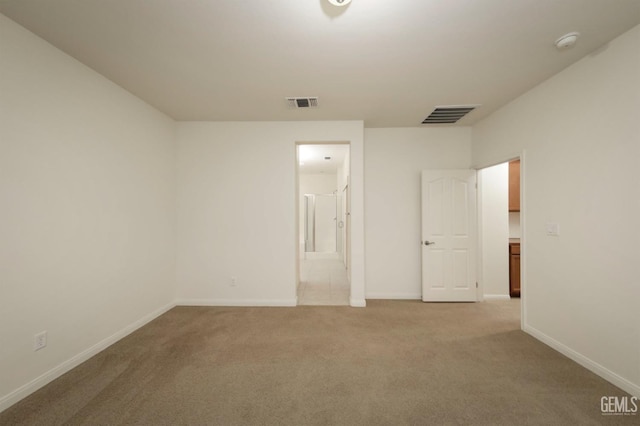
[[514, 248]]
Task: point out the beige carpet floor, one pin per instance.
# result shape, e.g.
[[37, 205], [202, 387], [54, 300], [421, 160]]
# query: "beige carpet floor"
[[392, 363]]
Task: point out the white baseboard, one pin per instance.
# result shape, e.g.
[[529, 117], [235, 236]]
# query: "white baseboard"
[[39, 382], [400, 296], [237, 302], [587, 363], [358, 303], [497, 297]]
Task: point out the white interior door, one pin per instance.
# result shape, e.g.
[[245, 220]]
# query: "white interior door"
[[449, 236]]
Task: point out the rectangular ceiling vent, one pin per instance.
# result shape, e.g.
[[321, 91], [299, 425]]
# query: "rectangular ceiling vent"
[[448, 114], [302, 102]]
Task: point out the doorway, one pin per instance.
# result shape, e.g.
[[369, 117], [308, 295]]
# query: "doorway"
[[323, 231], [500, 200]]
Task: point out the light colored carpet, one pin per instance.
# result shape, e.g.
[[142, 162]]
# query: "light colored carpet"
[[392, 363]]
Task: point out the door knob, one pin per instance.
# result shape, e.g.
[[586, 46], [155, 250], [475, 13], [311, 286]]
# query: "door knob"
[[428, 243]]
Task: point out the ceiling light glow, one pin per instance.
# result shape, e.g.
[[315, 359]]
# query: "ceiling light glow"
[[305, 153], [339, 2]]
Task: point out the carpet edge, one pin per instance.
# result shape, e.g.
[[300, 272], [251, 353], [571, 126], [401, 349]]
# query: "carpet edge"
[[589, 364], [39, 382]]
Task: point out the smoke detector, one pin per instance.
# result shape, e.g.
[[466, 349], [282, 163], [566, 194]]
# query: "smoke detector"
[[339, 2], [567, 41]]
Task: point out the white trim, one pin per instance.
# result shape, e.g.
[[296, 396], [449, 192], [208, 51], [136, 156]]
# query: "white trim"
[[587, 363], [238, 302], [398, 296], [357, 303], [480, 239], [39, 382], [497, 160], [497, 297], [523, 241]]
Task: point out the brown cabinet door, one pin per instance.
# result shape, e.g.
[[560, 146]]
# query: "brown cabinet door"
[[514, 270], [514, 186]]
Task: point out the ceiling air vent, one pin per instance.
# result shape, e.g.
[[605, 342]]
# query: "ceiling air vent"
[[448, 114], [302, 102]]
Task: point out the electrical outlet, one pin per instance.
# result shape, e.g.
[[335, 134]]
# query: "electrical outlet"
[[40, 340], [233, 282]]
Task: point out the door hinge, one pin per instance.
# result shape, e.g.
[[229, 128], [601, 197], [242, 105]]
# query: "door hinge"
[[476, 284]]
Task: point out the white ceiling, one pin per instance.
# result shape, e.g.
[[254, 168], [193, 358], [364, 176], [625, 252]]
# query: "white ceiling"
[[313, 158], [387, 62]]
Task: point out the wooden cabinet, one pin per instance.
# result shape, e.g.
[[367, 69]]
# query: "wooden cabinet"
[[514, 244], [514, 269], [514, 186]]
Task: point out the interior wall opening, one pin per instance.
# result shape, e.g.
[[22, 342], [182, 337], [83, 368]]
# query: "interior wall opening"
[[323, 217], [500, 202]]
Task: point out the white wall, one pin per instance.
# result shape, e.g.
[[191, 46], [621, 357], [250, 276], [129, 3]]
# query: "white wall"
[[318, 183], [236, 187], [514, 225], [394, 159], [86, 211], [494, 205], [343, 181], [579, 132]]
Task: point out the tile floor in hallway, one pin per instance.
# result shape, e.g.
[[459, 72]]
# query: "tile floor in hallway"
[[323, 282]]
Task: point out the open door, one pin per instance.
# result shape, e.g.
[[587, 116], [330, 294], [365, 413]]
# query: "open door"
[[449, 236]]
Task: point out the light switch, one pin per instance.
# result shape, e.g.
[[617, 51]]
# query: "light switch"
[[553, 229]]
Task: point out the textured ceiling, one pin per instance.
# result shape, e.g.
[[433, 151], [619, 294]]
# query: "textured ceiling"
[[388, 63]]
